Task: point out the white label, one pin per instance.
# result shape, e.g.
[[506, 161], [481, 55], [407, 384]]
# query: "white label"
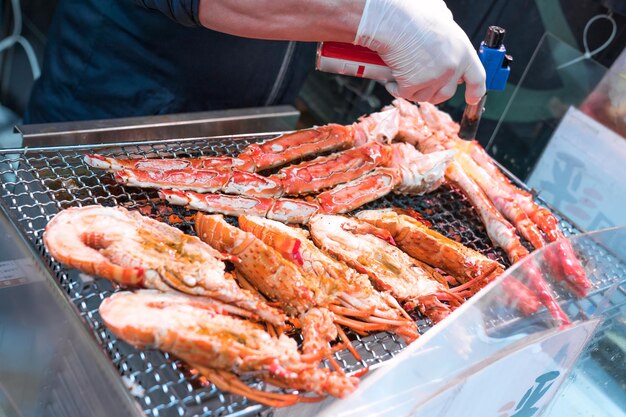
[[18, 272], [582, 172], [10, 270]]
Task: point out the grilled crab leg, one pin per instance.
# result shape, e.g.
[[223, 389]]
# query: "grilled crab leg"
[[328, 171], [203, 181], [209, 334], [533, 222], [128, 248], [288, 210], [503, 234], [502, 201], [367, 249], [291, 146], [168, 164], [307, 177], [341, 199], [416, 174], [256, 157], [573, 272], [350, 295], [286, 148], [358, 172]]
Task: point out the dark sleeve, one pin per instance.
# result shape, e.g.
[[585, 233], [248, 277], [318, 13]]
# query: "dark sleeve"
[[184, 12]]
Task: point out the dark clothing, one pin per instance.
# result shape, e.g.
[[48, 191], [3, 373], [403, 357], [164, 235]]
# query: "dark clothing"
[[118, 58], [184, 12]]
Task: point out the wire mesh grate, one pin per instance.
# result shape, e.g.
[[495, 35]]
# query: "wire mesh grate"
[[37, 184]]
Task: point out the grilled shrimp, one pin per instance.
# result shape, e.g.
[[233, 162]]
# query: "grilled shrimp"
[[131, 249], [412, 234], [348, 294], [368, 249], [210, 336]]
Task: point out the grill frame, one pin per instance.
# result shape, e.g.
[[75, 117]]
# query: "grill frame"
[[39, 182]]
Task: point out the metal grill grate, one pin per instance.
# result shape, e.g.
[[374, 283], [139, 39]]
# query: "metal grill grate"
[[36, 184]]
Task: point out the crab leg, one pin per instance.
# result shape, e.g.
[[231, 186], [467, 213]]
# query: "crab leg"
[[337, 168], [502, 201], [304, 178], [281, 209], [379, 127], [343, 198], [202, 181], [291, 146], [415, 174], [563, 263], [274, 152], [502, 234], [573, 271], [166, 164], [353, 194]]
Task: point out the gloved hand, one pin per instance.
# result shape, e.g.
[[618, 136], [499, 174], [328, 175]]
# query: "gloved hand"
[[428, 53]]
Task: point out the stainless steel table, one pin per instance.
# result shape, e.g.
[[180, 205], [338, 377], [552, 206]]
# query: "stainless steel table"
[[49, 363]]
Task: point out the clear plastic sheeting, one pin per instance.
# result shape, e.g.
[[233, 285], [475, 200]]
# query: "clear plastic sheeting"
[[489, 359], [554, 79]]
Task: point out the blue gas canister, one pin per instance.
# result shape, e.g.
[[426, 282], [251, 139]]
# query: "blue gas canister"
[[497, 63]]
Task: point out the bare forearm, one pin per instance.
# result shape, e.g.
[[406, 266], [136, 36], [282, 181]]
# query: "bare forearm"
[[309, 20]]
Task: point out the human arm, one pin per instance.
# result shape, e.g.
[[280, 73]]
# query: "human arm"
[[418, 39]]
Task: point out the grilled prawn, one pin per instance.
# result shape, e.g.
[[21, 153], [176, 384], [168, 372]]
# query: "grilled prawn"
[[370, 250], [135, 250], [273, 276], [474, 270], [413, 235], [348, 294], [213, 337]]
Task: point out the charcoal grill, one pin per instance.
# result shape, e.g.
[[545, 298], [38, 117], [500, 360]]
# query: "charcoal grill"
[[37, 183]]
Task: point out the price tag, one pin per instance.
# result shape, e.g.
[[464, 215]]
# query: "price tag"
[[18, 272]]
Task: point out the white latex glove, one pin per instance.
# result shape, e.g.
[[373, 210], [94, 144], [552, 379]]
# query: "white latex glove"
[[428, 53]]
